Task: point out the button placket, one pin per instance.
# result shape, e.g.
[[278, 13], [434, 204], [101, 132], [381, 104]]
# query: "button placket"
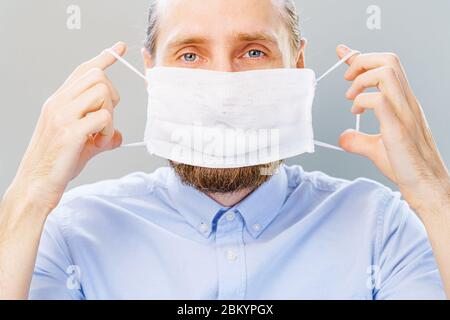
[[230, 256]]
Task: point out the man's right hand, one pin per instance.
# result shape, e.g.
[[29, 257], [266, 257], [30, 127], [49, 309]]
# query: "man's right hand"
[[75, 124]]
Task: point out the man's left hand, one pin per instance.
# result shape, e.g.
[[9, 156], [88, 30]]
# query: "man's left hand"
[[404, 150]]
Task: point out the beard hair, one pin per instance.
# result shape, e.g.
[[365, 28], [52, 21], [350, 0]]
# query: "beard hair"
[[219, 181]]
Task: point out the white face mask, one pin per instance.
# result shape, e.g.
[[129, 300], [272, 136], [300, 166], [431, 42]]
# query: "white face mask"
[[230, 119]]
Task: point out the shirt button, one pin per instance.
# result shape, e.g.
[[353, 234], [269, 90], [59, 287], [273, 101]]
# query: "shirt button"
[[204, 228], [231, 255], [256, 227], [230, 216]]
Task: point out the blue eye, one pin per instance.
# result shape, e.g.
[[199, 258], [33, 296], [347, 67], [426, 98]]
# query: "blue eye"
[[190, 57], [255, 54]]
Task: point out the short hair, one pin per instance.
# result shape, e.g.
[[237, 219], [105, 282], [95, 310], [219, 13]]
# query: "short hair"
[[288, 13]]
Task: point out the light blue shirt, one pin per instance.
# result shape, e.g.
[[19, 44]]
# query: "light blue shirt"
[[301, 235]]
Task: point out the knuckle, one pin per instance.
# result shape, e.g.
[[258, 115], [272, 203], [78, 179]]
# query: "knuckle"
[[389, 72], [117, 98], [402, 132], [58, 119], [82, 67], [97, 73], [392, 58], [382, 98], [384, 103], [358, 60], [48, 106], [359, 99], [107, 116], [102, 89], [358, 83]]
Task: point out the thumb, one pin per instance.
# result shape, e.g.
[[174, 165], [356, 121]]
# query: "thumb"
[[369, 146], [113, 143], [360, 143]]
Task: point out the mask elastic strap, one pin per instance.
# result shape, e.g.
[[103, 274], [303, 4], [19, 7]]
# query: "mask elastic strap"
[[338, 64], [126, 63], [129, 66], [358, 117], [133, 145], [327, 146]]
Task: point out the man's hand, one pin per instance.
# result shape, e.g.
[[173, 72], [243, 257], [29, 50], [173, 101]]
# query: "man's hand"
[[404, 150], [76, 124]]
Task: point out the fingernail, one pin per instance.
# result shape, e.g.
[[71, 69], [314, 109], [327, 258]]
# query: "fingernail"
[[119, 47], [350, 93], [349, 138], [117, 143], [343, 48]]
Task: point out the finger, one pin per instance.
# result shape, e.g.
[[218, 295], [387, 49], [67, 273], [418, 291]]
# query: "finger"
[[390, 121], [92, 78], [105, 59], [395, 100], [102, 61], [342, 50], [365, 62], [90, 101], [359, 143], [369, 100], [385, 79], [91, 150], [93, 123], [108, 131], [369, 146], [114, 142], [103, 137]]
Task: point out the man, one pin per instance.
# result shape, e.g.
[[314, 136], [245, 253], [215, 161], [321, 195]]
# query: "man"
[[191, 232]]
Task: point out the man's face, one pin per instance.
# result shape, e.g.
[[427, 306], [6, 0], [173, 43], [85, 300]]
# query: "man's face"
[[222, 35], [228, 36]]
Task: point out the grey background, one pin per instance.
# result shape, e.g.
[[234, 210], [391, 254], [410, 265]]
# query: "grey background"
[[38, 52]]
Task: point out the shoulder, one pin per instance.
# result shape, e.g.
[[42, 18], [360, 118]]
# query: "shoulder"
[[134, 184], [322, 182], [356, 196], [105, 196], [366, 209]]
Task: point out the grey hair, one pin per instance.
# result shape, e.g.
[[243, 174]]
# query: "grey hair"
[[288, 13]]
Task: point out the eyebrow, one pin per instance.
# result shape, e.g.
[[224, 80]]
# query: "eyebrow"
[[185, 41], [256, 36], [240, 36]]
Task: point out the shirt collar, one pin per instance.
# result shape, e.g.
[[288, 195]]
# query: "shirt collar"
[[261, 207], [258, 209], [195, 206]]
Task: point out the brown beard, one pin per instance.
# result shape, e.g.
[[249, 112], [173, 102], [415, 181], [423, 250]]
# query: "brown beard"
[[215, 181]]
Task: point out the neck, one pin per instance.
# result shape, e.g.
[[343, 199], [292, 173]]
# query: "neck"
[[230, 199]]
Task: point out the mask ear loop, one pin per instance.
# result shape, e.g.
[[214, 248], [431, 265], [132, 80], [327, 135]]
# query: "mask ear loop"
[[126, 63], [338, 64], [358, 117], [129, 66]]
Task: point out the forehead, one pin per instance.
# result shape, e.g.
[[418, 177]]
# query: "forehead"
[[218, 19]]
